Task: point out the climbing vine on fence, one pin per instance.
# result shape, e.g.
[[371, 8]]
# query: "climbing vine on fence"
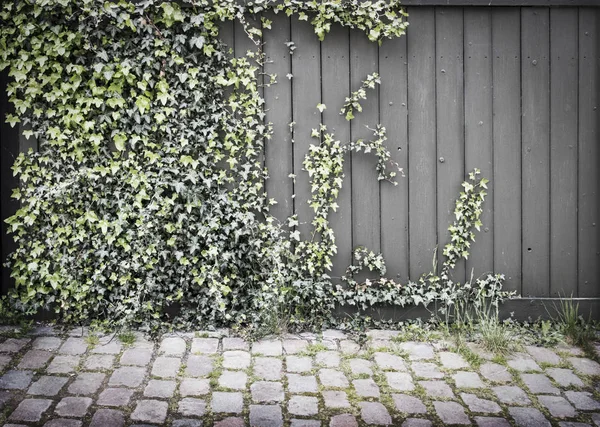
[[145, 202]]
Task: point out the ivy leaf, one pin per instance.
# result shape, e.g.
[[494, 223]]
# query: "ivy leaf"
[[321, 107]]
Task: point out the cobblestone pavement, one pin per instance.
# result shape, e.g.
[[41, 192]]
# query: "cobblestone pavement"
[[52, 379]]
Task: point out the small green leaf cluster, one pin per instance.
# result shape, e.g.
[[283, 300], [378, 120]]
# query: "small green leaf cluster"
[[352, 102]]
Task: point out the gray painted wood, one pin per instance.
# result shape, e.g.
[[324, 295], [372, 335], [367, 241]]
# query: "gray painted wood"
[[421, 140], [589, 152], [563, 151], [335, 85], [306, 94], [450, 119], [478, 128], [535, 86], [279, 156], [393, 69], [506, 26], [487, 3], [365, 187]]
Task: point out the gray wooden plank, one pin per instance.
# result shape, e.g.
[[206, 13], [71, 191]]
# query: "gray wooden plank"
[[487, 3], [563, 151], [279, 155], [365, 187], [335, 74], [422, 140], [226, 34], [393, 68], [589, 154], [450, 122], [535, 122], [506, 47], [478, 128], [306, 94]]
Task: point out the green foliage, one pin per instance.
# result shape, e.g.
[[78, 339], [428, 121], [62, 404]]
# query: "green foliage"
[[352, 102], [577, 329]]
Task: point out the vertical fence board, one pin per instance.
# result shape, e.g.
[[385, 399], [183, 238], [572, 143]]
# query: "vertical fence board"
[[507, 144], [335, 71], [478, 127], [589, 153], [226, 34], [365, 187], [535, 88], [278, 99], [422, 139], [394, 116], [450, 122], [306, 94], [563, 151]]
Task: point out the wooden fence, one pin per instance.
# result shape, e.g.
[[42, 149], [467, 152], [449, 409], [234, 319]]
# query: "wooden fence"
[[513, 91]]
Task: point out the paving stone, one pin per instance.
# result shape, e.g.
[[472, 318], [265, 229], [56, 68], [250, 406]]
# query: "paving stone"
[[199, 366], [294, 346], [160, 388], [63, 364], [231, 422], [539, 384], [366, 388], [426, 370], [417, 350], [63, 422], [596, 419], [172, 346], [374, 413], [564, 377], [583, 400], [305, 423], [14, 425], [451, 413], [187, 423], [46, 343], [585, 366], [298, 364], [302, 383], [512, 395], [476, 404], [329, 344], [30, 410], [73, 406], [73, 346], [416, 422], [491, 422], [464, 379], [349, 347], [437, 389], [235, 343], [451, 360], [480, 351], [110, 345], [495, 372], [16, 380], [387, 361], [543, 355], [236, 359], [34, 359], [87, 383], [558, 406], [382, 334], [13, 345], [267, 348], [47, 386], [329, 359], [128, 376], [343, 420], [523, 362], [231, 403], [267, 391], [360, 366], [166, 367], [528, 417], [137, 357], [98, 362], [266, 416], [334, 334], [205, 345], [332, 378], [152, 411], [400, 381], [194, 387], [115, 397], [5, 359], [192, 407], [268, 368], [409, 404], [303, 405], [335, 399], [233, 379], [5, 397], [572, 424]]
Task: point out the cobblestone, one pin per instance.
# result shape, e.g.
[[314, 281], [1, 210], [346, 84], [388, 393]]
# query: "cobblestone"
[[231, 403]]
